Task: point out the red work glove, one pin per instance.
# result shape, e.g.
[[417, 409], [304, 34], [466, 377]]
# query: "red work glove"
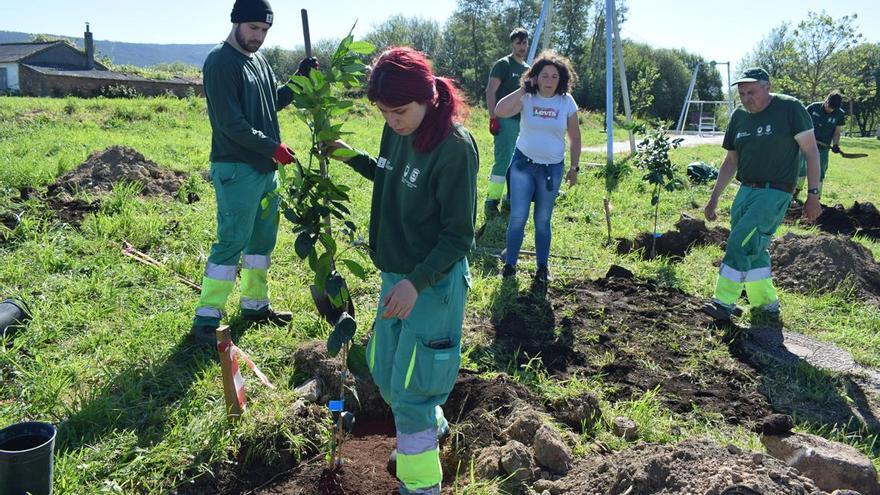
[[283, 154], [494, 126]]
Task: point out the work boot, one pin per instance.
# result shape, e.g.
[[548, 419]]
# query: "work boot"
[[508, 271], [505, 206], [720, 312], [491, 208], [204, 334], [766, 318], [268, 315]]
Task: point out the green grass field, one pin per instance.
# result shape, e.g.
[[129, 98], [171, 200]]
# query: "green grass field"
[[140, 408]]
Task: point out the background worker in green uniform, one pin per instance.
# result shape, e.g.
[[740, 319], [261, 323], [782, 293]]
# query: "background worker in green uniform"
[[245, 150], [421, 230], [503, 80], [762, 142], [828, 119]]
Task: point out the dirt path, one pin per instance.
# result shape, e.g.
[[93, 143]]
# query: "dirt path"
[[689, 141]]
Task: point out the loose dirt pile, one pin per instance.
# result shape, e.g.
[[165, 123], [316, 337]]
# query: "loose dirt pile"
[[825, 263], [859, 219], [676, 243], [692, 466], [102, 170]]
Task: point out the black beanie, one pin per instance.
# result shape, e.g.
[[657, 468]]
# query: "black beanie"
[[252, 11]]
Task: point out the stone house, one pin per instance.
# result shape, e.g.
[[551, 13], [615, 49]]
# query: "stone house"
[[58, 69]]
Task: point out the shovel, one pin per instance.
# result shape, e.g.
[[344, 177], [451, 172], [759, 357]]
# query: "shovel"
[[844, 154], [322, 301]]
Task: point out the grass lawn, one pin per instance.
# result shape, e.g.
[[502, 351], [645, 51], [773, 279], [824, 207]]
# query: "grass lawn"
[[140, 408]]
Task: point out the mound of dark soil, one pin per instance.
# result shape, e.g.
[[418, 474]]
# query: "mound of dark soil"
[[692, 466], [638, 336], [676, 243], [103, 169], [859, 219], [364, 456], [824, 263]]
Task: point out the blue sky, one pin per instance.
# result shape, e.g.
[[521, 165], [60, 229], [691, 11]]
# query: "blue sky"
[[717, 30]]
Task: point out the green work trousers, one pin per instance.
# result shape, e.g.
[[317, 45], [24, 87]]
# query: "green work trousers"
[[505, 143], [242, 226], [754, 218], [415, 362], [802, 168]]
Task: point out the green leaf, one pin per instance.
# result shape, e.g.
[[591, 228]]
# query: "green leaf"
[[345, 153], [361, 48], [323, 267], [334, 285], [355, 268], [357, 362], [304, 245], [264, 203], [342, 333]]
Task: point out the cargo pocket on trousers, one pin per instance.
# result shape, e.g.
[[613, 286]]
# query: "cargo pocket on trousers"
[[433, 371]]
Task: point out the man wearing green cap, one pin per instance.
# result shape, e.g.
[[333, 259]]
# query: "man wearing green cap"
[[503, 80], [246, 149], [762, 142], [828, 119]]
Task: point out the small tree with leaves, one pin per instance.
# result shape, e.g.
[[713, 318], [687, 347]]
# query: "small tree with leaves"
[[652, 155], [309, 198]]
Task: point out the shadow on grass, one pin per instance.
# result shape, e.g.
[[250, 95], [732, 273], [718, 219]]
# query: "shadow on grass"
[[800, 377], [141, 398]]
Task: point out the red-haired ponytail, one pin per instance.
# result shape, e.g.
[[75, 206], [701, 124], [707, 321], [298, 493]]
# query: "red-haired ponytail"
[[403, 75]]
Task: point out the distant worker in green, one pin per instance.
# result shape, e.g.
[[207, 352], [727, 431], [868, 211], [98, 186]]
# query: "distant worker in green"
[[246, 148], [421, 231], [828, 119], [503, 80], [762, 141]]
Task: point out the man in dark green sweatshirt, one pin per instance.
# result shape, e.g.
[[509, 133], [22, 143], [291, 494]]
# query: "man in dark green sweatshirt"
[[246, 149]]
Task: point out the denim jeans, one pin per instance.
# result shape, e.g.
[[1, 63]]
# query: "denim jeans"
[[531, 181]]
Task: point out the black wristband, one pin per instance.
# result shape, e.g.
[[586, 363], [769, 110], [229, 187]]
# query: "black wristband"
[[814, 191]]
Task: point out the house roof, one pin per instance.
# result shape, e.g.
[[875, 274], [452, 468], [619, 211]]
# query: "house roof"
[[105, 74], [13, 52]]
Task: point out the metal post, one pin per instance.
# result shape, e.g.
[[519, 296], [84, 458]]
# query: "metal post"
[[609, 82], [729, 92], [538, 29], [548, 27], [687, 99], [624, 86]]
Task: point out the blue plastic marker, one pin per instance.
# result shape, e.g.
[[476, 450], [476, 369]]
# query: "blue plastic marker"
[[336, 405]]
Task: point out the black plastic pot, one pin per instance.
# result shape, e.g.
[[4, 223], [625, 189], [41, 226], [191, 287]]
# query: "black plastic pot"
[[14, 313], [26, 458]]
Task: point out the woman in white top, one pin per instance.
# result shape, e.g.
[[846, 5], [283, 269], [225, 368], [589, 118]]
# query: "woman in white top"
[[547, 113]]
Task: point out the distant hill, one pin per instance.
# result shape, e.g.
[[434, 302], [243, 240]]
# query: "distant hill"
[[139, 54]]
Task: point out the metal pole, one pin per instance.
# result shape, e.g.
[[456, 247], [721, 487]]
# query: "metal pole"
[[538, 29], [729, 93], [687, 99], [548, 27], [609, 81], [624, 86]]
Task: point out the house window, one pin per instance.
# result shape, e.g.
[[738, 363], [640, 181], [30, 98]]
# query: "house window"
[[3, 86]]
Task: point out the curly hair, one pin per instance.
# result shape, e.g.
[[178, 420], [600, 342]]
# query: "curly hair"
[[567, 76]]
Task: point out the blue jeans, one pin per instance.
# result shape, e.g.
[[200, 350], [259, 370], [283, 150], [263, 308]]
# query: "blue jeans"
[[531, 181]]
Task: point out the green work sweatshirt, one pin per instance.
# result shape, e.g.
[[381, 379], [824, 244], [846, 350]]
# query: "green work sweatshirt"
[[243, 103], [424, 204]]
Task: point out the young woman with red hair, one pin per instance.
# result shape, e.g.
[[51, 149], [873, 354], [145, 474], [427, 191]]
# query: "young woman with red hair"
[[421, 230]]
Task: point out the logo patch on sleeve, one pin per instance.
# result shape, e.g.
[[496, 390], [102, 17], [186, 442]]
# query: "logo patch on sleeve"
[[269, 18]]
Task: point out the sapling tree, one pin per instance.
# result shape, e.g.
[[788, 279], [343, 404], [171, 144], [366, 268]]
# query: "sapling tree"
[[309, 199], [652, 155]]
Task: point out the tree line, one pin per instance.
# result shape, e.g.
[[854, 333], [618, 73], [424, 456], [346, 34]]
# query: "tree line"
[[820, 54]]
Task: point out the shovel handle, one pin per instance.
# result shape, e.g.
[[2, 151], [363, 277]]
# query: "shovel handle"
[[307, 40]]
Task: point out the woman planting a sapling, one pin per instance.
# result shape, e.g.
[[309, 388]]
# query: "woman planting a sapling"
[[547, 113], [421, 230]]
